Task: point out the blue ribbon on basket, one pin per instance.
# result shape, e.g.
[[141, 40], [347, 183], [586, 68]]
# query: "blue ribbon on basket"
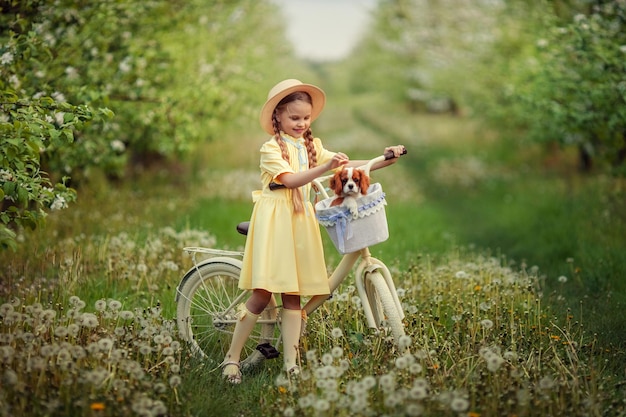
[[342, 220]]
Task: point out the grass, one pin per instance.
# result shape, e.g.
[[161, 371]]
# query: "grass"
[[509, 270]]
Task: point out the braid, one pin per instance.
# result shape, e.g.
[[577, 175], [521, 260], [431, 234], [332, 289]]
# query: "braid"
[[283, 147], [308, 136]]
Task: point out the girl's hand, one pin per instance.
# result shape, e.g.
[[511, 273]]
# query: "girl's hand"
[[338, 160], [397, 150]]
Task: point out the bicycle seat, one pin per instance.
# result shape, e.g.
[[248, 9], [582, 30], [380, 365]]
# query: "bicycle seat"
[[243, 227]]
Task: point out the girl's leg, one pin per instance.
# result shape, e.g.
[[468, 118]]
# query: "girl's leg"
[[248, 316], [291, 325]]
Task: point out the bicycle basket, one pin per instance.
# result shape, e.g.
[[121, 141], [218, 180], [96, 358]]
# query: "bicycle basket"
[[350, 235]]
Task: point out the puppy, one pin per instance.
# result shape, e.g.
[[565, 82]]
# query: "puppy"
[[349, 184]]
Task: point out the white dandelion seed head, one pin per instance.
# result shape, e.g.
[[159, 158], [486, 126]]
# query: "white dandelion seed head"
[[327, 359], [404, 342], [486, 324], [459, 404], [337, 352], [336, 333]]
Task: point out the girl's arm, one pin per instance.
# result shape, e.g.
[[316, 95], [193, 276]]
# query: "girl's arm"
[[298, 179], [397, 151]]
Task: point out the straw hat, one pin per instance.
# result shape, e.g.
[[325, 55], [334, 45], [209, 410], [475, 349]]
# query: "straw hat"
[[282, 90]]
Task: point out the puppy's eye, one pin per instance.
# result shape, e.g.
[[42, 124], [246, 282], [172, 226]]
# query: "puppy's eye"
[[344, 180], [356, 180]]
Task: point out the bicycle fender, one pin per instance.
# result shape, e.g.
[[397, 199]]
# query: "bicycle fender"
[[216, 260]]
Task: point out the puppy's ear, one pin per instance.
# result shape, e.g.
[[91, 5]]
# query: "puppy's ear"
[[335, 183], [365, 182]]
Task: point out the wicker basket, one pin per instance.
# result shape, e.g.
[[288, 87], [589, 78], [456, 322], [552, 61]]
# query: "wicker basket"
[[350, 235]]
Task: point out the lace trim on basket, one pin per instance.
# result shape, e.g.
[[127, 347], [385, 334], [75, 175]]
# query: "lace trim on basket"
[[342, 215]]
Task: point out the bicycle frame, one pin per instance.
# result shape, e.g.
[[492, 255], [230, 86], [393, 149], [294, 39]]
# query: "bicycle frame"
[[367, 265]]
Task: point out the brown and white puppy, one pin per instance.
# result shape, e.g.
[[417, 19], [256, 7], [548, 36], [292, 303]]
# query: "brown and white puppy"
[[349, 184]]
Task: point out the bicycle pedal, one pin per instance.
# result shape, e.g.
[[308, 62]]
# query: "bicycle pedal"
[[268, 350]]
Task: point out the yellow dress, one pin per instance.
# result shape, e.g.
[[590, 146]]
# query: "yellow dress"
[[284, 252]]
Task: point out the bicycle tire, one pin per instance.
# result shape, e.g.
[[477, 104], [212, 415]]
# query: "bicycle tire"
[[383, 306], [204, 296]]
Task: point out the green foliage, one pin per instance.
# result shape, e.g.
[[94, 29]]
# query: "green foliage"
[[171, 72], [575, 93]]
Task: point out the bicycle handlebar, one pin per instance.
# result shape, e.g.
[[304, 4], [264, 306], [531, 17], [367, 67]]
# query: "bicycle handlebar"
[[385, 157]]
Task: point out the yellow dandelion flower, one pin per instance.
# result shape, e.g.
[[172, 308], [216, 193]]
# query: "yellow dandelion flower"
[[555, 337], [97, 406], [282, 389], [478, 288], [473, 414]]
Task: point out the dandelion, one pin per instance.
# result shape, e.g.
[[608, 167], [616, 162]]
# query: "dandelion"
[[88, 320], [486, 324], [493, 362], [306, 401], [336, 333], [97, 406], [6, 309], [418, 393], [404, 342], [327, 359], [414, 410], [175, 381], [562, 279], [459, 404], [127, 315], [145, 349], [61, 331], [387, 382], [415, 368], [337, 352], [368, 382], [101, 305], [105, 344], [546, 383], [403, 362]]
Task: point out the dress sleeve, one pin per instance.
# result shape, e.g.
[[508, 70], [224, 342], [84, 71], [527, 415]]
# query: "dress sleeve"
[[323, 154], [272, 162]]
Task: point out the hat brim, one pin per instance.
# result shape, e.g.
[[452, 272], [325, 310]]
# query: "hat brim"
[[317, 97]]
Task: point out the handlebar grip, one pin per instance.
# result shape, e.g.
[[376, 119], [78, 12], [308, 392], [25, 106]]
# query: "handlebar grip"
[[276, 186], [390, 154]]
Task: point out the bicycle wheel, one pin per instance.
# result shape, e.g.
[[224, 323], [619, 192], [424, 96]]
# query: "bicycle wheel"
[[207, 301], [383, 305]]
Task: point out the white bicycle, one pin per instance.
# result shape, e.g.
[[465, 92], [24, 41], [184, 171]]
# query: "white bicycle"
[[208, 295]]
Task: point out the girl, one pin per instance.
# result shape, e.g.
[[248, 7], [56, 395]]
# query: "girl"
[[283, 252]]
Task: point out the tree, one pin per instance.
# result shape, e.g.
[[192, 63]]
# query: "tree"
[[575, 94], [100, 85]]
